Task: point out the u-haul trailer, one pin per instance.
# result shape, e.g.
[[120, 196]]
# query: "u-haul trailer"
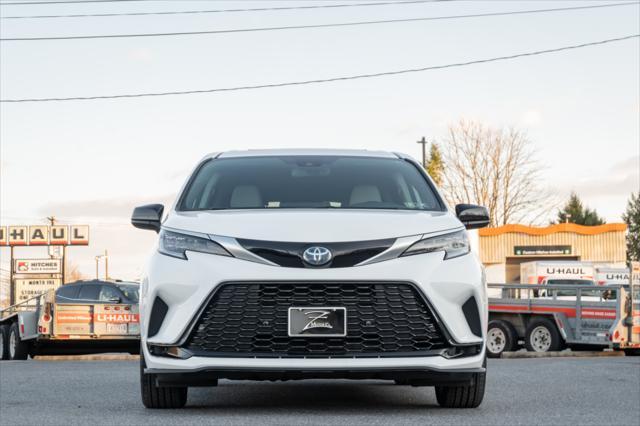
[[576, 316], [40, 326], [609, 276], [535, 272]]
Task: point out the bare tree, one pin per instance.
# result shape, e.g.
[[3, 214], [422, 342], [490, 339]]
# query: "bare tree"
[[494, 168], [72, 273]]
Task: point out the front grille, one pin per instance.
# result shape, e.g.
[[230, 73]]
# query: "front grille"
[[289, 254], [251, 319]]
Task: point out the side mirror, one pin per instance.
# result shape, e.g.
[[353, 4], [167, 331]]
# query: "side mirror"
[[114, 299], [472, 216], [147, 217]]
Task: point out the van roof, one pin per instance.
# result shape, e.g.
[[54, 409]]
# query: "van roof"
[[307, 151]]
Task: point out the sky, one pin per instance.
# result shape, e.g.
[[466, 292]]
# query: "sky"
[[91, 162]]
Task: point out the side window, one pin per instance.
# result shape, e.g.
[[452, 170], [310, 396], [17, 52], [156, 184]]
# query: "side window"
[[67, 294], [108, 293], [89, 292]]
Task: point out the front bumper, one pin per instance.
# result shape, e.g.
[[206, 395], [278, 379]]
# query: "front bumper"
[[186, 285], [413, 376]]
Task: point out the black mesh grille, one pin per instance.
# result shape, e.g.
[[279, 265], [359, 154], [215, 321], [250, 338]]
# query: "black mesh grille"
[[250, 319]]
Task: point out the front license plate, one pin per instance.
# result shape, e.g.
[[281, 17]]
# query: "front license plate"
[[317, 322]]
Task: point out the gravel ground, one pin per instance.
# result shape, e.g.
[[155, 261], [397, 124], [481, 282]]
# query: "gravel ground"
[[566, 391]]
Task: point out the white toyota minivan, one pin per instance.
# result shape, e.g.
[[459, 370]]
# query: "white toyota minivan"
[[300, 264]]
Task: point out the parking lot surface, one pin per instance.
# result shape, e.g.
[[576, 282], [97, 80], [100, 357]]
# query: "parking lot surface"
[[565, 391]]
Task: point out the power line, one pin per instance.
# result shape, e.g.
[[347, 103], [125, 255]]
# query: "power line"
[[25, 3], [328, 80], [297, 27], [257, 9]]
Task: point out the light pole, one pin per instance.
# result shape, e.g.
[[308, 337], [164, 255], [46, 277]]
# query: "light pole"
[[104, 256]]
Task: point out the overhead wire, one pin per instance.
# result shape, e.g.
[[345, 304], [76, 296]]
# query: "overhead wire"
[[328, 80], [28, 3], [298, 27], [255, 9]]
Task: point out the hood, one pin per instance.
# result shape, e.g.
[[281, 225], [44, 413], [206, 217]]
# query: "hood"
[[302, 225]]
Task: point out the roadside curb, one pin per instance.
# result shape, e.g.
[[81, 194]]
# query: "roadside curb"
[[562, 354], [108, 357]]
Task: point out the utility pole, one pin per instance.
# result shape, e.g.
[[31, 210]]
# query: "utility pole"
[[104, 256], [423, 142], [12, 289], [63, 249], [106, 265]]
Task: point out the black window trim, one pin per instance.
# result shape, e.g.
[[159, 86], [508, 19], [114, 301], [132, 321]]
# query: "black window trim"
[[443, 207]]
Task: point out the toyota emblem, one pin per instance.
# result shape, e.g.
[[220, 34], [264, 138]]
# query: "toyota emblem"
[[317, 255]]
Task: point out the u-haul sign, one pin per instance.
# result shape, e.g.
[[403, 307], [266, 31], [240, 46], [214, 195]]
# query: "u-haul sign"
[[43, 235]]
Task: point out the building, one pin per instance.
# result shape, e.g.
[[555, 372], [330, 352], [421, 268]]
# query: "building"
[[504, 248]]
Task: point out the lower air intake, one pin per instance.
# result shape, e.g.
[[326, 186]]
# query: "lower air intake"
[[251, 319]]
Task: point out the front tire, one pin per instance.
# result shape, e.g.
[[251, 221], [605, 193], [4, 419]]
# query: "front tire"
[[631, 351], [4, 342], [501, 337], [154, 396], [542, 336], [468, 396], [18, 349]]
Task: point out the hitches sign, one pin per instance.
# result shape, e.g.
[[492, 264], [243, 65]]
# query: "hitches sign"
[[26, 288], [43, 235], [37, 266]]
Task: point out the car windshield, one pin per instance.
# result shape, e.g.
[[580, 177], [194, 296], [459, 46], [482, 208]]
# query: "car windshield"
[[573, 293], [130, 291], [570, 282], [279, 182]]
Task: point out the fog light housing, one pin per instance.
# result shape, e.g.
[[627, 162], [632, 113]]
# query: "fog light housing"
[[169, 351], [462, 351]]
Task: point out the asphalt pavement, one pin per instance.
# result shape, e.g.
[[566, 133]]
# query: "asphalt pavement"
[[565, 391]]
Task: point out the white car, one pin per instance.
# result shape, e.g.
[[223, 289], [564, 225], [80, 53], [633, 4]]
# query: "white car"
[[297, 264]]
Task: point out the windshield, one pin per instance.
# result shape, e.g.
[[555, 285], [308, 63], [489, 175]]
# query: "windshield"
[[570, 282], [573, 293], [130, 291], [309, 182]]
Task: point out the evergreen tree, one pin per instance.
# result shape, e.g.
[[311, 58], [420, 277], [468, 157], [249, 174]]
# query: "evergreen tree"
[[632, 218], [575, 212], [435, 164]]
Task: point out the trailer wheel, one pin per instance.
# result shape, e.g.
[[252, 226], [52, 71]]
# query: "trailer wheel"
[[469, 396], [4, 342], [18, 349], [154, 396], [542, 336], [501, 337]]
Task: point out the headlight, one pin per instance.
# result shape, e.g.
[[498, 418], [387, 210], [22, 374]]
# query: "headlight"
[[176, 245], [454, 245]]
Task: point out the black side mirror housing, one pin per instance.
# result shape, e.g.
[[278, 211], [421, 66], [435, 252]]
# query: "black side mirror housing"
[[147, 217], [472, 216]]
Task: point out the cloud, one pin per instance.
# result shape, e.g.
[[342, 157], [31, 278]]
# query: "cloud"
[[114, 208], [621, 179], [629, 166], [531, 117]]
